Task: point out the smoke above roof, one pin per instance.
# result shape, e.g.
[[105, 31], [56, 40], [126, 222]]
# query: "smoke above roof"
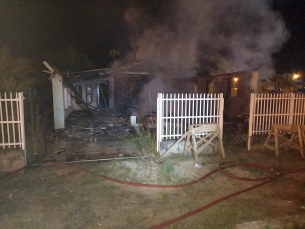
[[191, 36]]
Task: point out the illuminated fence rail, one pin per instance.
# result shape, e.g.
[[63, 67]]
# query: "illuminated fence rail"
[[269, 109], [176, 111], [12, 121]]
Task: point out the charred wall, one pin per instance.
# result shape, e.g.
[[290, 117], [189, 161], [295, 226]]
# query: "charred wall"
[[126, 92]]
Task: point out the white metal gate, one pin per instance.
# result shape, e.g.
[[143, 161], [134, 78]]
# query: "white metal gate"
[[12, 121], [268, 109], [176, 112]]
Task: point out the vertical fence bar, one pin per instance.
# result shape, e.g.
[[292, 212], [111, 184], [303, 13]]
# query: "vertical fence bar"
[[178, 114], [188, 107], [214, 106], [181, 113], [284, 109], [277, 112], [170, 115], [221, 108], [299, 110], [272, 110], [7, 123], [269, 112], [22, 121], [260, 114], [175, 121], [1, 116], [158, 124], [192, 111], [209, 107], [196, 110], [263, 114], [159, 120], [166, 115], [18, 118], [256, 113], [13, 118], [199, 112], [185, 112], [292, 108], [204, 108], [280, 109]]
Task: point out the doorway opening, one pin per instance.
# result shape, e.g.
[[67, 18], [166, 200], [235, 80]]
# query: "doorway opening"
[[103, 94]]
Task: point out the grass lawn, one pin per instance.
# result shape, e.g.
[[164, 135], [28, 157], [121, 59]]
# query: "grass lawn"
[[53, 196]]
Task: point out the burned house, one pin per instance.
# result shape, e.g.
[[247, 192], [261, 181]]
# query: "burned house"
[[114, 95], [94, 89], [130, 92]]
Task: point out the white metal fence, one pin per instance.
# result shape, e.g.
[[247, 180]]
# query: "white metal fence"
[[12, 121], [176, 112], [268, 109]]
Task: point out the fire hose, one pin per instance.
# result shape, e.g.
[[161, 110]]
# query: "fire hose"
[[266, 179]]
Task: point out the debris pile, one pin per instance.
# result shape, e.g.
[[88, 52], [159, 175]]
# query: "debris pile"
[[86, 138]]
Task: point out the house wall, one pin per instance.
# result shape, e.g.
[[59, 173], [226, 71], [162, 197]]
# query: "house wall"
[[236, 94]]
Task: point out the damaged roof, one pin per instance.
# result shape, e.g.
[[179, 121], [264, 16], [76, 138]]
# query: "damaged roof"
[[90, 74], [104, 73]]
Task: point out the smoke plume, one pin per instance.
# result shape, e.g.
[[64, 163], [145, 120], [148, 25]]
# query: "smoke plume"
[[191, 36], [194, 37]]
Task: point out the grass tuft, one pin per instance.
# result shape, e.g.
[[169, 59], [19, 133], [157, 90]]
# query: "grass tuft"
[[144, 140]]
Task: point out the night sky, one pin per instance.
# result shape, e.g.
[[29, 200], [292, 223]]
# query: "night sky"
[[292, 54], [34, 28]]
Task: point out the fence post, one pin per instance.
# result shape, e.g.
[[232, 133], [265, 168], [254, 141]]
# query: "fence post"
[[251, 119], [221, 108], [21, 98], [291, 108], [159, 126]]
